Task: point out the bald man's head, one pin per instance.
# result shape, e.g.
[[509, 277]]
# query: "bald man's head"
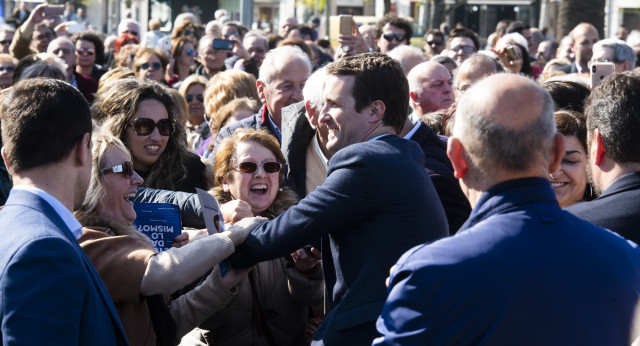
[[430, 88], [472, 70], [506, 125]]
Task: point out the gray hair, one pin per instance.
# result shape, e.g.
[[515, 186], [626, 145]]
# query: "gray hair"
[[276, 60], [256, 34], [314, 87], [206, 40], [621, 50], [495, 146], [407, 55], [123, 26]]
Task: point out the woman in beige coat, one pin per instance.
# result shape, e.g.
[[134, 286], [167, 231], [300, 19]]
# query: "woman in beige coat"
[[138, 279]]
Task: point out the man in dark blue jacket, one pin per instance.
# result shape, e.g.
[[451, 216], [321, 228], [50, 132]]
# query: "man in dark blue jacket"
[[520, 271], [376, 203], [614, 156]]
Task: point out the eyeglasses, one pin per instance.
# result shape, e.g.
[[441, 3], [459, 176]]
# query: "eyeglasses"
[[8, 69], [154, 66], [189, 97], [250, 167], [464, 49], [5, 42], [134, 33], [434, 43], [191, 52], [64, 51], [145, 126], [390, 37], [84, 51], [126, 168], [615, 61]]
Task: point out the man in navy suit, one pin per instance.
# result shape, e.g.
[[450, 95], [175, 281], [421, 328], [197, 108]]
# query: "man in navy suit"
[[583, 37], [376, 203], [520, 271], [50, 294], [614, 156]]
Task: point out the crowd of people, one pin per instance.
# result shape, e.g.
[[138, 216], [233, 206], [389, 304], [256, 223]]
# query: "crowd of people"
[[372, 194]]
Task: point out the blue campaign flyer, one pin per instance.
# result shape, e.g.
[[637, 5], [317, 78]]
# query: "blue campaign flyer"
[[158, 221]]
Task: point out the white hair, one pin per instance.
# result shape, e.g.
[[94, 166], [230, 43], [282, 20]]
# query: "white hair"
[[278, 59], [314, 87], [185, 16], [123, 26], [255, 34], [512, 38]]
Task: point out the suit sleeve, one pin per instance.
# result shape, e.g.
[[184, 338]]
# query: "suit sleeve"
[[44, 289], [345, 199], [405, 319]]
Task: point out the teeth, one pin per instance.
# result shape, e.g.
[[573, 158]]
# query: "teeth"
[[153, 147], [259, 187], [557, 184], [129, 196]]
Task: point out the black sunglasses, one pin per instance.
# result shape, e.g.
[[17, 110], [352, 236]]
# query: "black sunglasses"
[[189, 97], [251, 167], [125, 168], [434, 43], [5, 42], [390, 37], [154, 66], [145, 126]]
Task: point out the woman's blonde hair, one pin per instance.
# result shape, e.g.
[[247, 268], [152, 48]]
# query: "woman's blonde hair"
[[194, 79], [219, 119], [169, 171], [225, 160], [149, 51], [226, 86]]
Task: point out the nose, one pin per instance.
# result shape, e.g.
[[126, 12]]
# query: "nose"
[[297, 94], [155, 134], [136, 179]]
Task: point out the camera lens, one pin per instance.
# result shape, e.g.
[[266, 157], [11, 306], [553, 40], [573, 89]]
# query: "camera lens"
[[593, 69]]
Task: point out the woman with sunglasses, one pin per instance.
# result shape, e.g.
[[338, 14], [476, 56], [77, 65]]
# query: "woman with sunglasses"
[[139, 279], [7, 69], [143, 117], [248, 176], [192, 89], [184, 58], [89, 55], [150, 63]]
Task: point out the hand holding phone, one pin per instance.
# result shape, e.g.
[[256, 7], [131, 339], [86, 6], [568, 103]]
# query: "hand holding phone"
[[599, 70]]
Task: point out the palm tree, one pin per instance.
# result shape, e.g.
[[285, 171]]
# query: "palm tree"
[[573, 12]]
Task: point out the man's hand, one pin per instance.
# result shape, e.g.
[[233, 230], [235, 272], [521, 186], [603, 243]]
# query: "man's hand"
[[355, 41], [239, 50], [305, 262], [36, 16], [235, 211], [239, 231]]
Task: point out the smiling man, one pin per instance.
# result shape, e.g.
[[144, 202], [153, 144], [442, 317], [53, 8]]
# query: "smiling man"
[[392, 31], [283, 74], [376, 202]]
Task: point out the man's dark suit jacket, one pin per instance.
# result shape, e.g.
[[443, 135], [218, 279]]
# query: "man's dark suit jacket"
[[296, 134], [257, 121], [50, 294], [569, 68], [376, 203], [617, 209], [520, 271]]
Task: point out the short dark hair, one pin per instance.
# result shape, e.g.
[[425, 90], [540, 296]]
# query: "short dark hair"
[[613, 108], [464, 32], [393, 19], [567, 95], [97, 42], [574, 124], [517, 26], [42, 120], [434, 32], [369, 69]]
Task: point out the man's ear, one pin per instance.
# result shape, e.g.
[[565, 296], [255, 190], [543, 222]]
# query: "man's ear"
[[260, 85], [558, 150], [311, 114], [377, 111], [83, 151], [5, 159], [596, 148], [413, 96], [456, 154]]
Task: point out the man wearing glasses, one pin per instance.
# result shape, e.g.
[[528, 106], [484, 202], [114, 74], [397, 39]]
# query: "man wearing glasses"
[[392, 31], [433, 42], [6, 36], [462, 44], [616, 51], [33, 36]]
